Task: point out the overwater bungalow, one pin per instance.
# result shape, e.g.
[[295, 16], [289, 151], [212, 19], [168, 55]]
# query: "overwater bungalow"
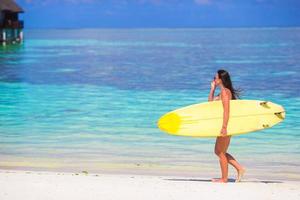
[[11, 28]]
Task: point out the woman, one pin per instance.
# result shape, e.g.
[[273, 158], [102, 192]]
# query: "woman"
[[222, 79]]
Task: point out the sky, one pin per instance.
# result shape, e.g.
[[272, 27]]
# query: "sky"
[[159, 13]]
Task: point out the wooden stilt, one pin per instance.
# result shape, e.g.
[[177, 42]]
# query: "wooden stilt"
[[21, 36], [3, 37]]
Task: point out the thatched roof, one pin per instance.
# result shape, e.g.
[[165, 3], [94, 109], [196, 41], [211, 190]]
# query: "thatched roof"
[[10, 5]]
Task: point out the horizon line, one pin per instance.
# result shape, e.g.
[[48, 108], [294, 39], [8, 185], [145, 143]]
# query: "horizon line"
[[187, 27]]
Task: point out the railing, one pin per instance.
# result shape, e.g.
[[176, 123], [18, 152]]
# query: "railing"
[[12, 24]]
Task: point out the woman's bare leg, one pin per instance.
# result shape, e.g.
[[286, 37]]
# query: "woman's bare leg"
[[240, 170], [221, 147]]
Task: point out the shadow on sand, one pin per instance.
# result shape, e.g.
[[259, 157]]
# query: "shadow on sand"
[[229, 180]]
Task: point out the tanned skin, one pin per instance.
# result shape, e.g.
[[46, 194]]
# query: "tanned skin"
[[223, 141]]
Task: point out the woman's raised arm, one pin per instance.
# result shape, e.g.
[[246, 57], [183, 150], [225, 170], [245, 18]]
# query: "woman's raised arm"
[[212, 91]]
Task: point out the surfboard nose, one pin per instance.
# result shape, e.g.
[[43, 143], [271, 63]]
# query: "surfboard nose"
[[169, 123]]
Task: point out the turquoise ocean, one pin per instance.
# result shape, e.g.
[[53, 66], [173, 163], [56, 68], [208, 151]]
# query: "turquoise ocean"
[[88, 99]]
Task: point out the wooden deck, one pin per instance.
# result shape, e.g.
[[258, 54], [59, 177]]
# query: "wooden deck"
[[12, 24]]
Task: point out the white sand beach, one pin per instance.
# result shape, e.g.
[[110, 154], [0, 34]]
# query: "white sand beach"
[[37, 185]]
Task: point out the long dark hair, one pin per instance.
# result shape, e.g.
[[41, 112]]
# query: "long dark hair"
[[225, 77]]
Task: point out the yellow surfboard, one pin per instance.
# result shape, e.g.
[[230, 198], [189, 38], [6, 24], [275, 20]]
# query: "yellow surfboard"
[[206, 119]]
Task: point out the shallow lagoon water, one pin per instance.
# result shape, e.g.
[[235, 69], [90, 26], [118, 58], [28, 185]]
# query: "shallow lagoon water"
[[89, 99]]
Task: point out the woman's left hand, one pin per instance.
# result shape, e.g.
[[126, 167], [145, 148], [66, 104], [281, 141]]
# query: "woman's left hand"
[[223, 132]]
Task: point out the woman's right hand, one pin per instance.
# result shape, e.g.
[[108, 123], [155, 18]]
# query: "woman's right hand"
[[213, 85]]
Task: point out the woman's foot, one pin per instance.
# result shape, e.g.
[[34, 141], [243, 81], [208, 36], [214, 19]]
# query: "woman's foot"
[[240, 175], [219, 180]]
